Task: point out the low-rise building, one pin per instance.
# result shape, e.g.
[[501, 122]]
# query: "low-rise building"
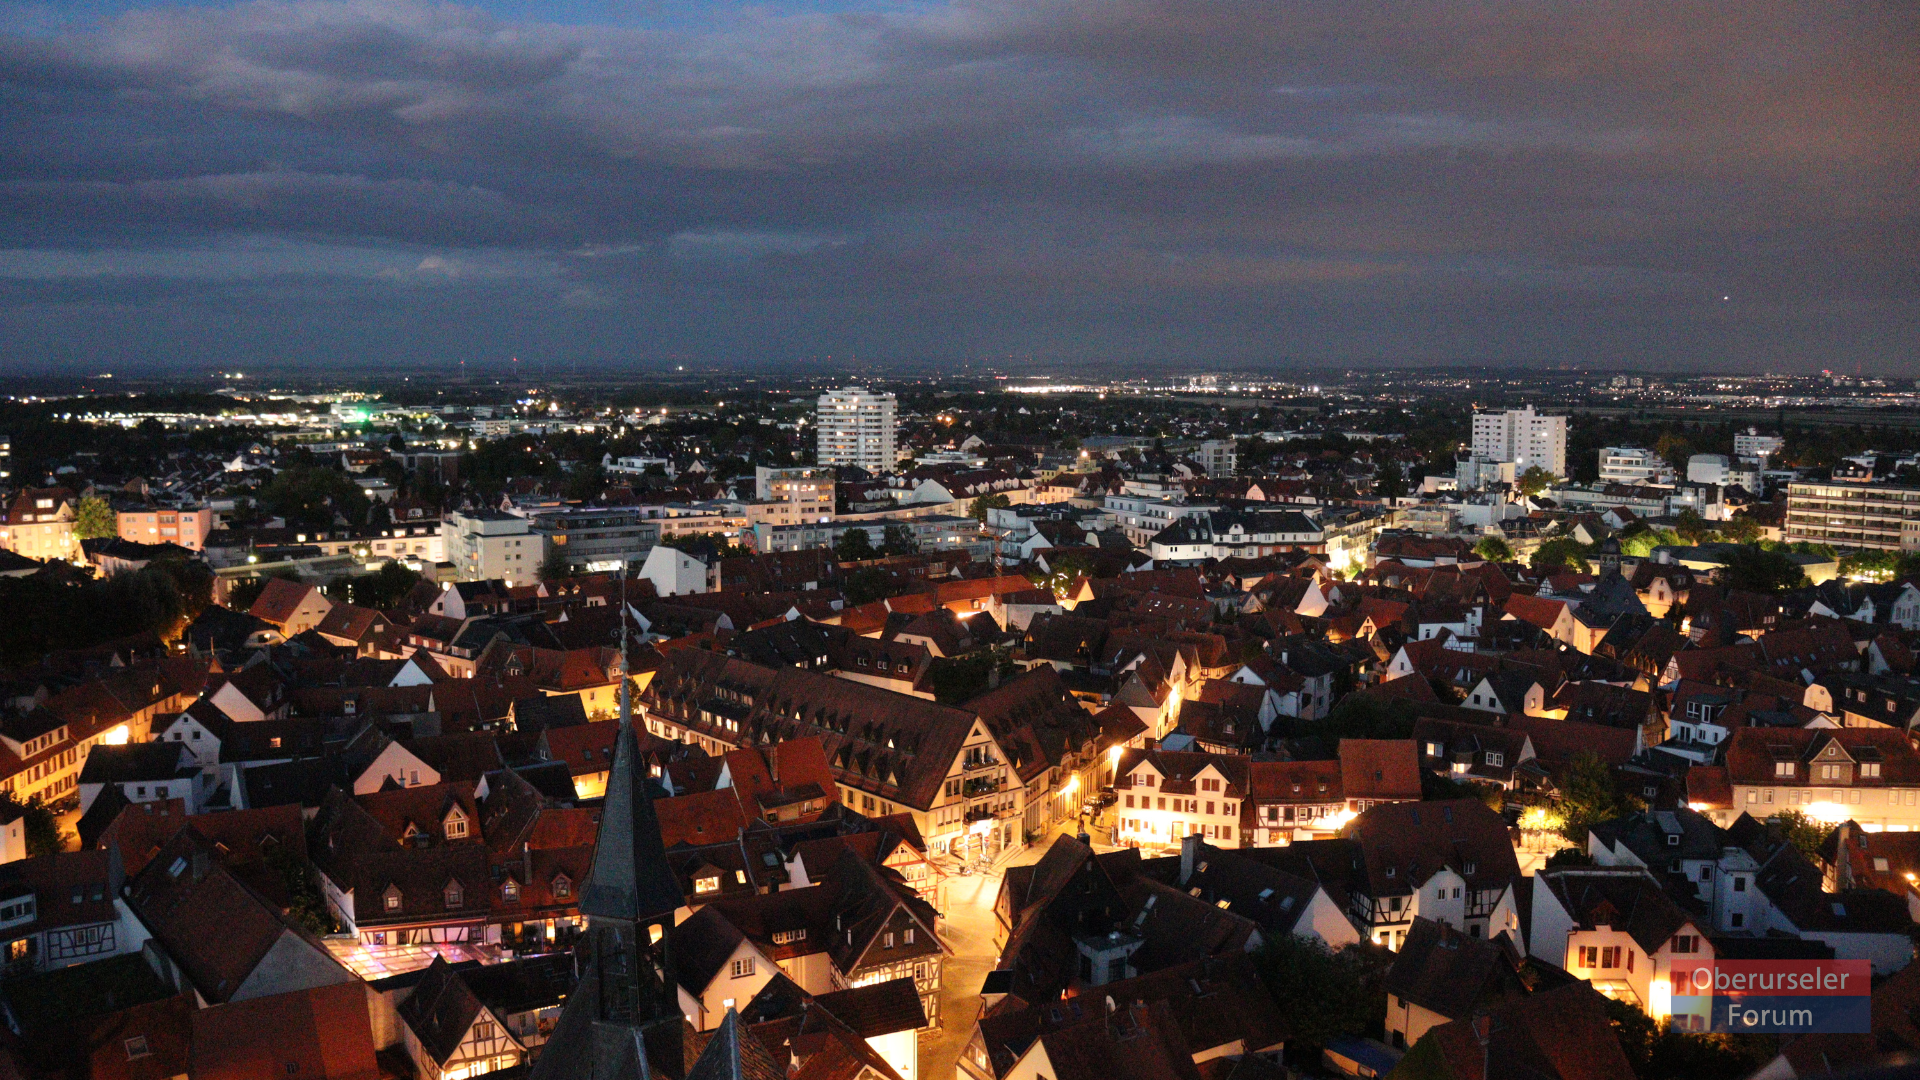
[[63, 909], [1616, 928], [1449, 860], [1868, 775], [185, 526], [39, 525], [1166, 796], [484, 544]]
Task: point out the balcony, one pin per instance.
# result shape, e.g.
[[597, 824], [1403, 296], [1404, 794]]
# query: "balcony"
[[983, 785], [972, 765]]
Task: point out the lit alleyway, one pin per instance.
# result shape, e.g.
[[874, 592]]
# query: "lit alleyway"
[[969, 930]]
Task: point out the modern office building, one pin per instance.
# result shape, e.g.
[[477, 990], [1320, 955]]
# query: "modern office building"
[[1632, 465], [1847, 515], [597, 538], [857, 427], [1523, 437]]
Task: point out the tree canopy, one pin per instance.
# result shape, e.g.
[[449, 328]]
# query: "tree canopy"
[[898, 540], [985, 503], [1558, 553], [1327, 995], [1535, 480], [1589, 795], [1493, 549], [855, 545], [309, 496], [383, 588], [1801, 831], [94, 519], [52, 611], [1756, 569]]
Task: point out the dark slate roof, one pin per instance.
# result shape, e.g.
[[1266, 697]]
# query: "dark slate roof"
[[134, 761], [304, 783], [630, 879], [1404, 844], [440, 1010], [878, 1008], [1624, 898], [1648, 835], [1443, 970], [699, 948], [1268, 895], [541, 711], [735, 1054]]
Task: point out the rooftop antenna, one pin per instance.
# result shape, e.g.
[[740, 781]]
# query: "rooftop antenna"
[[626, 683]]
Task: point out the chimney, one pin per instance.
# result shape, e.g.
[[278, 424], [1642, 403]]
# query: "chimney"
[[1189, 849]]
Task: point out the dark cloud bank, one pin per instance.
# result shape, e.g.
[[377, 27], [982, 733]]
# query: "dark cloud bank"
[[1076, 181]]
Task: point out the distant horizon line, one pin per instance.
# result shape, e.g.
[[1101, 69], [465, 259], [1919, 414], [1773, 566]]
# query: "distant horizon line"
[[1032, 370]]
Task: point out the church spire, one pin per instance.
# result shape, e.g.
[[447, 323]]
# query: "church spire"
[[625, 1001], [630, 880]]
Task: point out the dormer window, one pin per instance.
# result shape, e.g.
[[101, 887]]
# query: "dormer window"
[[707, 884], [562, 887], [391, 899], [453, 894], [510, 891], [1783, 768], [456, 825]]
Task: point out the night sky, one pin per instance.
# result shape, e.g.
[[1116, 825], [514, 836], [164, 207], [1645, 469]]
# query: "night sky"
[[1062, 183]]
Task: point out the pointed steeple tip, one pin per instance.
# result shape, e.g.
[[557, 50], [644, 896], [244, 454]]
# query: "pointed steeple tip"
[[630, 880]]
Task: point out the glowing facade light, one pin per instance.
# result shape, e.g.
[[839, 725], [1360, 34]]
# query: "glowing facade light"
[[1829, 812]]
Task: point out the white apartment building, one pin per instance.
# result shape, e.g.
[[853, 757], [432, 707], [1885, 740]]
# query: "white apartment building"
[[1523, 437], [1753, 444], [857, 427], [1220, 457], [791, 496], [1881, 516], [1725, 471], [1141, 517], [487, 544], [1632, 465]]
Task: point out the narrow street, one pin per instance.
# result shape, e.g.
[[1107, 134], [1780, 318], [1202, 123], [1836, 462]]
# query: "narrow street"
[[968, 930]]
